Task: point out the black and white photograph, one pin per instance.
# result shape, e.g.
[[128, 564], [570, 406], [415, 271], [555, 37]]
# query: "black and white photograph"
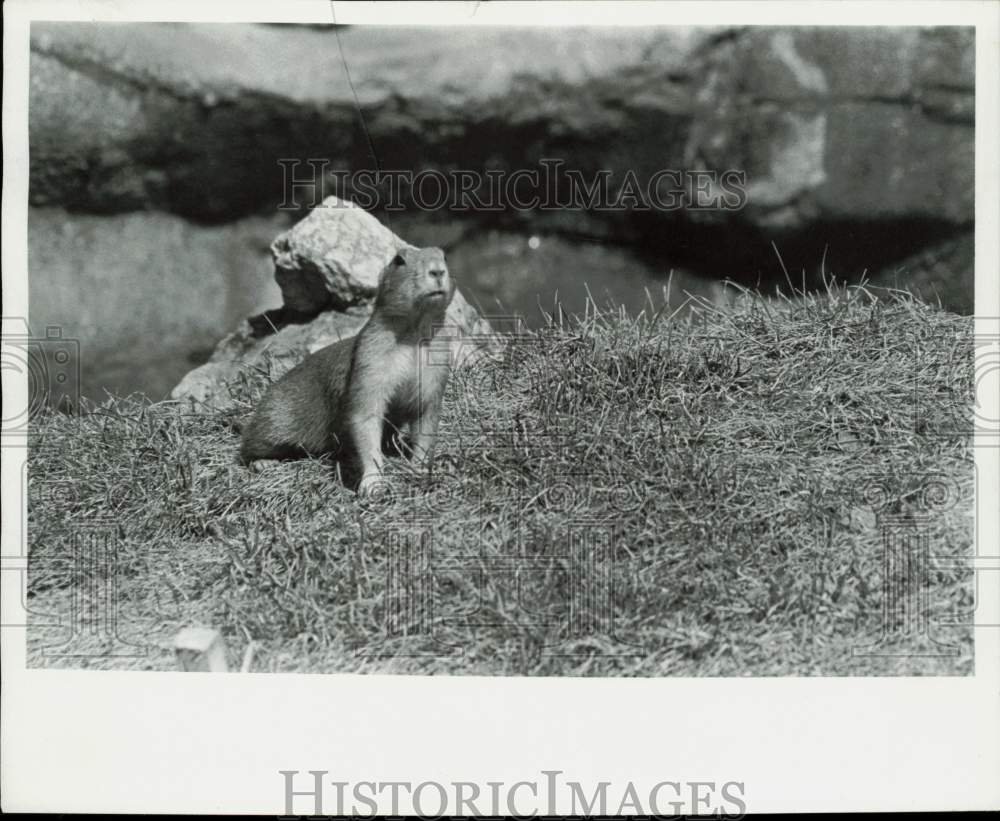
[[509, 343]]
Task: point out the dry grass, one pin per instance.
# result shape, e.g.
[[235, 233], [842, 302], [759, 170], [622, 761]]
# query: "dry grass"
[[615, 496]]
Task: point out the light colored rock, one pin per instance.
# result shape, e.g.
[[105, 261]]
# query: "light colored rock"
[[332, 258], [210, 386]]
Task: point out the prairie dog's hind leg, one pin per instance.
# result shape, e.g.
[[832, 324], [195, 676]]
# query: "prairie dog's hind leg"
[[261, 465], [396, 438]]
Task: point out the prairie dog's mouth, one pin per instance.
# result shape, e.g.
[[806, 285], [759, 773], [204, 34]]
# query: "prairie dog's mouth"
[[437, 293]]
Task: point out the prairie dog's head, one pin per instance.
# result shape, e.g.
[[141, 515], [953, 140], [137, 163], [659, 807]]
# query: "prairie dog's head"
[[415, 282]]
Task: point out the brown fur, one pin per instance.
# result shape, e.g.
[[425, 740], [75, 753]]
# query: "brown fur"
[[351, 397]]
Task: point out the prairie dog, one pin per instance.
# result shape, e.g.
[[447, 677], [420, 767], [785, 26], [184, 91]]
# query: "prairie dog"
[[350, 397]]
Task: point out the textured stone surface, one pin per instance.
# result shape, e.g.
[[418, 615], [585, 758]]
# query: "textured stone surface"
[[842, 124], [332, 258], [944, 272], [146, 293], [193, 119], [207, 386], [829, 123], [328, 267], [857, 144]]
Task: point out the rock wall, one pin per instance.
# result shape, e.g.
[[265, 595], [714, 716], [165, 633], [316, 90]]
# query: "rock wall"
[[828, 123], [146, 294]]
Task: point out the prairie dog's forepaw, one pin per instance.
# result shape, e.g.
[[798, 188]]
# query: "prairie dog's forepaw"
[[372, 486]]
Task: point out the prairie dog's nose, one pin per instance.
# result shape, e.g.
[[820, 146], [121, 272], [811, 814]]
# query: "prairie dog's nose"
[[438, 273]]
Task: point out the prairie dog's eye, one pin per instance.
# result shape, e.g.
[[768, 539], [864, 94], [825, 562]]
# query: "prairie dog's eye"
[[398, 260]]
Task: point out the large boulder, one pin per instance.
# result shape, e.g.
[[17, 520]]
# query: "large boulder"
[[332, 258], [328, 268]]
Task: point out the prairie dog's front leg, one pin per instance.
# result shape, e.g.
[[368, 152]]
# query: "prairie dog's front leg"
[[366, 424], [437, 362], [432, 383], [423, 432]]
